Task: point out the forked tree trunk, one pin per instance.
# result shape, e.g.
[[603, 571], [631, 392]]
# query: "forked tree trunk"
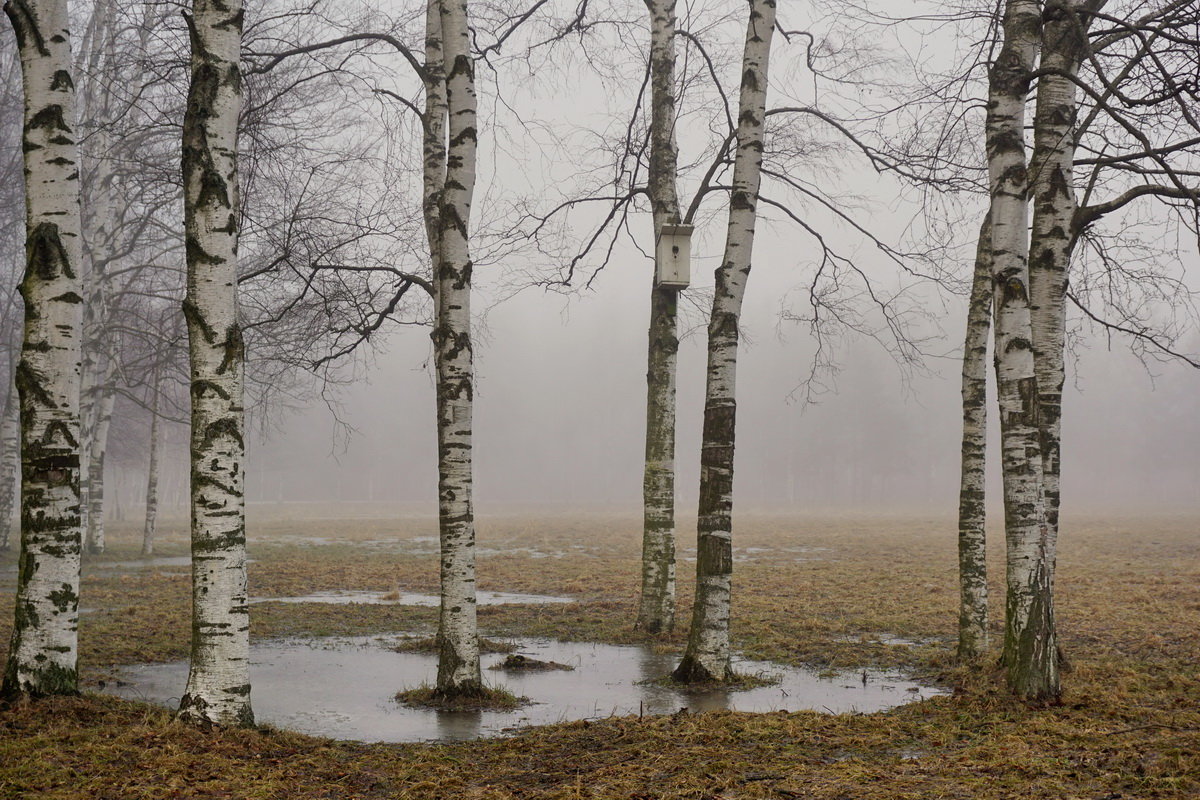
[[1028, 645], [656, 612], [972, 540], [10, 459], [42, 657], [152, 474], [707, 657], [218, 686], [458, 633]]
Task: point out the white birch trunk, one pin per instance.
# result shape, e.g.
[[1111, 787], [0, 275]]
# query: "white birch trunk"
[[656, 613], [707, 657], [97, 447], [99, 45], [458, 634], [1063, 48], [972, 540], [10, 459], [42, 657], [218, 686], [152, 475], [1031, 673]]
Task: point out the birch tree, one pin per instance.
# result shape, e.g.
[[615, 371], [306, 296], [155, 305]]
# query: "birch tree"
[[1064, 46], [972, 543], [458, 636], [1029, 643], [151, 519], [43, 652], [707, 657], [98, 77], [218, 686], [656, 612]]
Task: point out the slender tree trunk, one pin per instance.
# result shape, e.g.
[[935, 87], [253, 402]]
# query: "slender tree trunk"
[[42, 658], [458, 634], [98, 447], [972, 541], [152, 474], [218, 686], [656, 613], [10, 459], [1063, 47], [99, 207], [1028, 646], [707, 657]]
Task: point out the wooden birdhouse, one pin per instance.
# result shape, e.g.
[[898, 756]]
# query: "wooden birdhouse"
[[673, 256]]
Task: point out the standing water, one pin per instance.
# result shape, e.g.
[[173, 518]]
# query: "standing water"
[[344, 688]]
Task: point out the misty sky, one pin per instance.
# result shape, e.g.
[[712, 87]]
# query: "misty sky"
[[559, 416]]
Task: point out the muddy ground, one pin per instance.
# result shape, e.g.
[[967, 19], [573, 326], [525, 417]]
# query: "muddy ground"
[[831, 592]]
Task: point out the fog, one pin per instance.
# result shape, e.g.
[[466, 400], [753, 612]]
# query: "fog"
[[560, 395], [560, 404]]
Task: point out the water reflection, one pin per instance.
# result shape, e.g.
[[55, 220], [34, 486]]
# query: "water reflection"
[[344, 688]]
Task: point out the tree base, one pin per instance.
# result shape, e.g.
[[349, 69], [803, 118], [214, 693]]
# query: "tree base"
[[692, 672], [472, 697], [195, 711], [655, 627]]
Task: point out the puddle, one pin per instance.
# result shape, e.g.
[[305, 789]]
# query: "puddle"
[[345, 598], [343, 688]]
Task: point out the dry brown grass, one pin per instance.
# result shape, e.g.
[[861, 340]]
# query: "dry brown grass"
[[1129, 727]]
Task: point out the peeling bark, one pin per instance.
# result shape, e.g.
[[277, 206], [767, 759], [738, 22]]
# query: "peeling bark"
[[218, 686], [656, 613], [42, 657], [458, 633], [972, 540], [707, 657]]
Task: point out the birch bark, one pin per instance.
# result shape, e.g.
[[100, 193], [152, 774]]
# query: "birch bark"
[[707, 657], [1029, 653], [43, 653], [152, 474], [972, 541], [218, 686], [1063, 47], [10, 459], [458, 635], [656, 613], [97, 447]]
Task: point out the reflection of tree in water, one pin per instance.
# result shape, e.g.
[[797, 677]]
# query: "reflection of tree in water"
[[458, 725]]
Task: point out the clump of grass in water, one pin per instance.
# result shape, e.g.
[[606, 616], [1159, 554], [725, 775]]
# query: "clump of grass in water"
[[522, 663], [488, 698]]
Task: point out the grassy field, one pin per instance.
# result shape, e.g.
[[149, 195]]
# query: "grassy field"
[[812, 591]]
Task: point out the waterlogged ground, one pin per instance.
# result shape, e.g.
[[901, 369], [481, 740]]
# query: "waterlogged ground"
[[833, 594], [344, 687]]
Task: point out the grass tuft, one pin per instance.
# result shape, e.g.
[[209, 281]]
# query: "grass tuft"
[[485, 698]]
